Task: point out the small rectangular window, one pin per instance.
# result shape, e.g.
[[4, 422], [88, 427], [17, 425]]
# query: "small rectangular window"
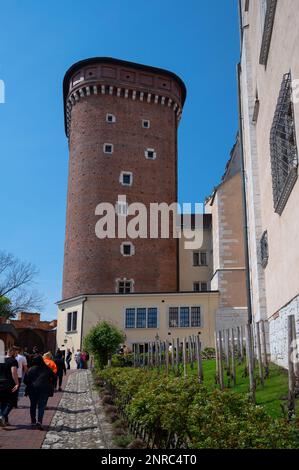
[[152, 321], [150, 154], [199, 258], [130, 318], [184, 317], [127, 249], [195, 317], [72, 321], [108, 148], [126, 178], [195, 258], [145, 123], [125, 287], [196, 286], [110, 118], [203, 286], [141, 318], [69, 321]]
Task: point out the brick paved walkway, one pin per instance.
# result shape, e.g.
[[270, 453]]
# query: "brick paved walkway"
[[74, 418]]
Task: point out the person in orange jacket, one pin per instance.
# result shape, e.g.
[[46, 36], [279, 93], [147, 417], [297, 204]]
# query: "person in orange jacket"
[[47, 357]]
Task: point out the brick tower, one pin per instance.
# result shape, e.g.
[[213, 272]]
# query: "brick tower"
[[121, 120]]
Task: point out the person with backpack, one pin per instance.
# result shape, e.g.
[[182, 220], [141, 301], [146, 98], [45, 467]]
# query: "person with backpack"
[[59, 361], [9, 385], [39, 386]]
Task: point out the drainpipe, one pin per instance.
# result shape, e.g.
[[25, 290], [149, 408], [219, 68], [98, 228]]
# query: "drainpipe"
[[244, 198], [244, 202], [82, 317]]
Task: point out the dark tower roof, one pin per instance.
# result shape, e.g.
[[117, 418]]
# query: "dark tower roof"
[[98, 60]]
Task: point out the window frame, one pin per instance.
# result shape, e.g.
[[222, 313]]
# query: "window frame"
[[178, 313], [152, 151], [72, 318], [146, 321], [121, 178], [124, 281], [104, 148], [122, 249], [144, 121], [199, 253], [113, 118]]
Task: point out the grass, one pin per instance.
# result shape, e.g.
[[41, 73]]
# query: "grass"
[[272, 395]]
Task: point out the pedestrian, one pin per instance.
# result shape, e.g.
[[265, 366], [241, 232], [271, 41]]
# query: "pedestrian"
[[68, 358], [27, 356], [48, 359], [82, 360], [78, 358], [9, 385], [39, 387], [59, 361], [22, 366]]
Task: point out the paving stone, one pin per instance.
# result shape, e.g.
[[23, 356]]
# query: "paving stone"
[[79, 419]]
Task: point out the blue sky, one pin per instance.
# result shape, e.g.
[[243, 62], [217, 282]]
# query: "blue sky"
[[196, 39]]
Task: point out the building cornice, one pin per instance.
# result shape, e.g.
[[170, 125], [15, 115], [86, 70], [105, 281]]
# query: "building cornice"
[[106, 75], [137, 294]]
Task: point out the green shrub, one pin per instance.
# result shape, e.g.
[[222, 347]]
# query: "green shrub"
[[172, 406], [102, 341]]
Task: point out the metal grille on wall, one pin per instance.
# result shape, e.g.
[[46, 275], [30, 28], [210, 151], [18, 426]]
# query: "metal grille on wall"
[[264, 249], [284, 155]]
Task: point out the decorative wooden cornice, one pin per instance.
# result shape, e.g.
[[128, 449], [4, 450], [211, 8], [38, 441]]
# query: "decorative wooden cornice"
[[268, 28]]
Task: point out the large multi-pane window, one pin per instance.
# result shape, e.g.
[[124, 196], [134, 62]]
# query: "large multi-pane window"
[[141, 317], [72, 321], [283, 147], [184, 317]]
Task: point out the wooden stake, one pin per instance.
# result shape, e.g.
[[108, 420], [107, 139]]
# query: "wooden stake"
[[291, 395], [134, 355], [172, 354], [242, 342], [250, 362], [156, 354], [199, 360], [217, 357], [221, 380], [233, 357], [295, 352], [167, 356], [184, 357], [239, 344], [190, 351], [259, 353], [264, 344], [177, 355], [227, 361]]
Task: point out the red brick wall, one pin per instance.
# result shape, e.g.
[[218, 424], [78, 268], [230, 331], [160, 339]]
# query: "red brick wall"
[[92, 265]]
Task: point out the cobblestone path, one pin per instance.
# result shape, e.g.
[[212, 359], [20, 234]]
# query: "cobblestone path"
[[79, 422]]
